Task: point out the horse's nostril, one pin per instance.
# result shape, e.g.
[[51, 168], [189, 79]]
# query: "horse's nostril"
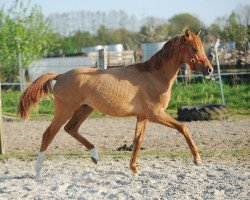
[[210, 70]]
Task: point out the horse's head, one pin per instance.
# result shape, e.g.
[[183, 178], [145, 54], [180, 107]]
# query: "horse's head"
[[193, 53]]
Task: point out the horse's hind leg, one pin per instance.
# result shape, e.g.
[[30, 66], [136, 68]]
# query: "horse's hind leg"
[[139, 134], [62, 114], [73, 125]]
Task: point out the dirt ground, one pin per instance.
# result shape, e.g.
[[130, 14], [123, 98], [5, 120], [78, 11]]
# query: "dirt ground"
[[159, 177], [111, 133]]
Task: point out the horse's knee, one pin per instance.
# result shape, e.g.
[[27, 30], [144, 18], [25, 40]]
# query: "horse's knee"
[[70, 129]]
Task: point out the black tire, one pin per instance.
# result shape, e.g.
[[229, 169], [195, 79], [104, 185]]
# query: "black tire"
[[202, 112]]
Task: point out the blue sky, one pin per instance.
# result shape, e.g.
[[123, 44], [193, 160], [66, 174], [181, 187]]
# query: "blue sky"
[[206, 10]]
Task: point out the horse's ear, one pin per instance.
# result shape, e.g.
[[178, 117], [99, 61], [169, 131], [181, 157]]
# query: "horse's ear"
[[198, 32], [187, 33]]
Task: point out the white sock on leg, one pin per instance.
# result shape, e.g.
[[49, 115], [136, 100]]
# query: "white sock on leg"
[[39, 163], [94, 154]]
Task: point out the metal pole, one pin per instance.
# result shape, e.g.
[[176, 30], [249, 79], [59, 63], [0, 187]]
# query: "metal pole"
[[217, 43], [102, 58], [1, 125], [20, 71]]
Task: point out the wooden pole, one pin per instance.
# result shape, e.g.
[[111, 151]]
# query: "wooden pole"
[[1, 125]]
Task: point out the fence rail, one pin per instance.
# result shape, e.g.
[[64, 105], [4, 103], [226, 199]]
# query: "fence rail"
[[179, 76]]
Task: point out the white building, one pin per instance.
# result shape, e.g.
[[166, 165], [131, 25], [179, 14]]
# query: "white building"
[[59, 65]]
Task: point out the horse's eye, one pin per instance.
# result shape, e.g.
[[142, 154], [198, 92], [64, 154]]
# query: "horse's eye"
[[195, 50]]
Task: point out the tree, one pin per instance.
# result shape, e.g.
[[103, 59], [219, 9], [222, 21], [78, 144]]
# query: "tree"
[[25, 31], [234, 31], [104, 35], [243, 14], [153, 31], [110, 36], [74, 43], [181, 21], [215, 30], [125, 37]]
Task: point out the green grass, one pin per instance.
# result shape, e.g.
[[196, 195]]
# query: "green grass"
[[46, 108], [237, 98], [225, 154]]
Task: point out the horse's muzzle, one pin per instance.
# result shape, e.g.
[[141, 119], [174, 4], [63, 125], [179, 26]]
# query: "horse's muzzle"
[[206, 71]]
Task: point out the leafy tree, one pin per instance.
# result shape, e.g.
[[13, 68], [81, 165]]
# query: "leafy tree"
[[125, 37], [25, 31], [74, 43], [178, 22], [215, 30], [243, 15], [153, 31], [234, 31], [104, 35], [109, 36]]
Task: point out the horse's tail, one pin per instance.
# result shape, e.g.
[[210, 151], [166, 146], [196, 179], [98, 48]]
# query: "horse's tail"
[[30, 97]]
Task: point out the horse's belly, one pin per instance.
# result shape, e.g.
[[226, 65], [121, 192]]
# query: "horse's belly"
[[113, 110], [112, 95], [114, 106], [117, 103]]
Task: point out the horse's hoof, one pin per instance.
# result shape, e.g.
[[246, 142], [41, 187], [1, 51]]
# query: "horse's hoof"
[[38, 177], [197, 162], [135, 170], [94, 160]]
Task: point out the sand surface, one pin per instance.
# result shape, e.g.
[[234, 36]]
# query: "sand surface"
[[111, 179], [159, 178], [111, 133]]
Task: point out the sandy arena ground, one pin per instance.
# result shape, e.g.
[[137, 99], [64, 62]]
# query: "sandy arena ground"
[[160, 178]]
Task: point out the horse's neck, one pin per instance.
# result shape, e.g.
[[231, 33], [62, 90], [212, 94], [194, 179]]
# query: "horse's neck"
[[167, 74]]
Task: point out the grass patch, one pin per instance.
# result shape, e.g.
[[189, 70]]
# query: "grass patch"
[[207, 92], [237, 98], [126, 154]]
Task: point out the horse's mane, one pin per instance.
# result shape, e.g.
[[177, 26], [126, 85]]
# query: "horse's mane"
[[155, 62]]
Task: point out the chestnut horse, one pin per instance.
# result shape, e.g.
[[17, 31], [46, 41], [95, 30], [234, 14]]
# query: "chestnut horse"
[[142, 90]]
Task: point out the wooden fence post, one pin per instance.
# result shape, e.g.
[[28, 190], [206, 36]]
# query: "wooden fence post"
[[1, 124]]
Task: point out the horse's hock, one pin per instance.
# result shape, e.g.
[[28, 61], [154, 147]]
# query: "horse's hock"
[[202, 112]]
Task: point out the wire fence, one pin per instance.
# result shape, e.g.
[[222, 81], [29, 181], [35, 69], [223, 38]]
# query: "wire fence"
[[214, 75]]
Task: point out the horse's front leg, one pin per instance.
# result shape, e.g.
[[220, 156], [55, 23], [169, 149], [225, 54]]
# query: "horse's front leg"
[[163, 118], [139, 134]]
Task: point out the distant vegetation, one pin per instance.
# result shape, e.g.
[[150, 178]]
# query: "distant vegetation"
[[236, 97], [23, 31], [81, 29], [26, 30]]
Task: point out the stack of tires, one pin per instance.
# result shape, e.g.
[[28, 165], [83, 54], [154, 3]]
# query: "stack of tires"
[[202, 112]]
